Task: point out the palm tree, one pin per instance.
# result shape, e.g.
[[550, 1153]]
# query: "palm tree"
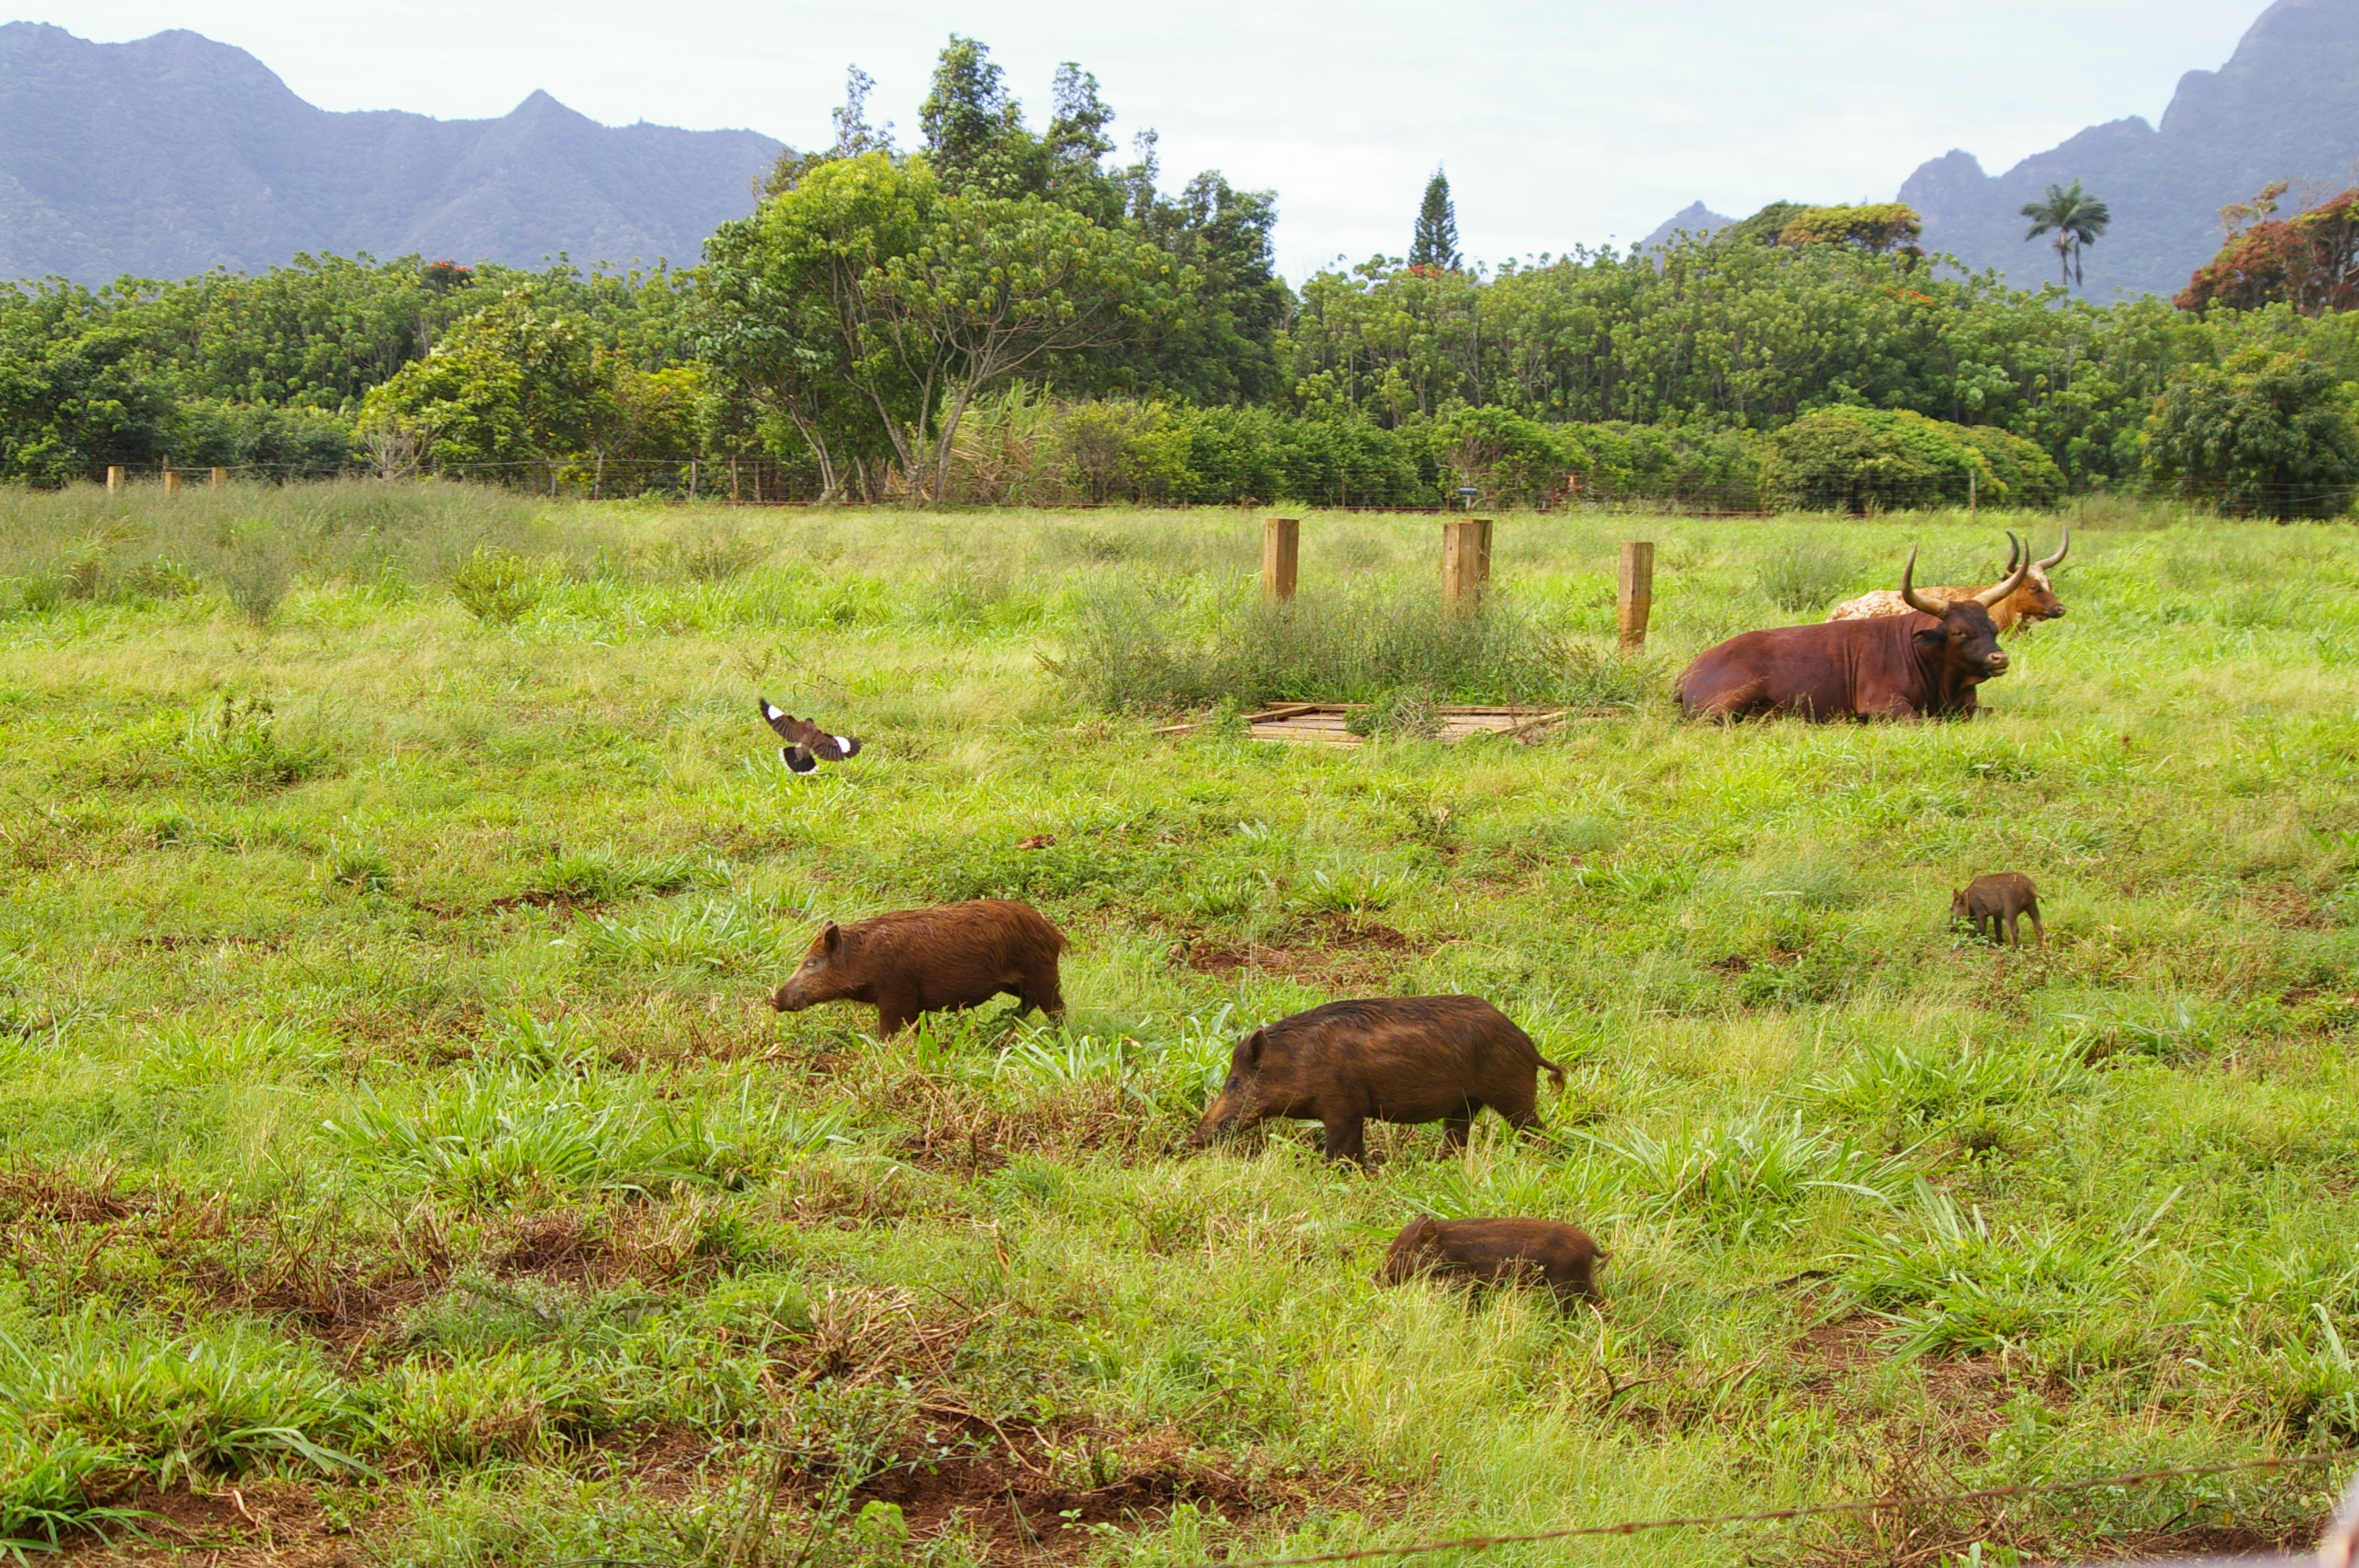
[[2076, 216]]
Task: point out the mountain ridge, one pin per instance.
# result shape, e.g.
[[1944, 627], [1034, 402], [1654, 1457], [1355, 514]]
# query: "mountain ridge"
[[2284, 106], [176, 154]]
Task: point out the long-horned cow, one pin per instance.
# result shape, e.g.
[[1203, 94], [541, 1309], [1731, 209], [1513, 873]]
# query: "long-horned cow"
[[2035, 600], [1921, 665]]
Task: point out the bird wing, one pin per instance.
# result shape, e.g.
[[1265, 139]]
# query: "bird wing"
[[801, 732], [836, 747]]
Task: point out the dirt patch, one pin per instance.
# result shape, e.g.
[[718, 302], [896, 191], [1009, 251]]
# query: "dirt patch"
[[953, 1128], [1023, 1495], [171, 941], [1334, 949], [264, 1524], [654, 1244], [2289, 907]]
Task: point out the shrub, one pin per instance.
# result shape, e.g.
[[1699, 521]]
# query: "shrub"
[[241, 746], [1675, 465], [1869, 460], [496, 586], [2267, 433]]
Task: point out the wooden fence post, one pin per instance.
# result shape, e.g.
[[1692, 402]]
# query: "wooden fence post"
[[171, 482], [1281, 554], [1465, 562], [114, 479], [692, 479], [220, 479], [1636, 598]]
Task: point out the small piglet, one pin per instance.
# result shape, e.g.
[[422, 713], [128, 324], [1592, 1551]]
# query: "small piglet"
[[1497, 1251], [931, 960], [2002, 895], [1407, 1059]]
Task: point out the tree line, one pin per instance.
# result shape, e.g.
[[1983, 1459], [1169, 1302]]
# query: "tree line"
[[1010, 313]]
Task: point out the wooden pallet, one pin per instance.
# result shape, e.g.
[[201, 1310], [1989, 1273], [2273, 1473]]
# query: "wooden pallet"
[[1324, 723]]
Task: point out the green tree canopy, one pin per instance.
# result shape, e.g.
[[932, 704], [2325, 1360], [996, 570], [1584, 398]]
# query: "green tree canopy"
[[868, 273], [2269, 432]]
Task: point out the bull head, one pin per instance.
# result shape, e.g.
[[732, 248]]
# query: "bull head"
[[1964, 641], [2039, 593]]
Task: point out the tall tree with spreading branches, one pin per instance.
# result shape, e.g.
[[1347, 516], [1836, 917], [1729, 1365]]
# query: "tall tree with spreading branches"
[[2074, 217]]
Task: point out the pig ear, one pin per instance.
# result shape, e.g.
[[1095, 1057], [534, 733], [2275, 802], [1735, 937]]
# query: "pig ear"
[[832, 937], [1429, 1231], [1252, 1049]]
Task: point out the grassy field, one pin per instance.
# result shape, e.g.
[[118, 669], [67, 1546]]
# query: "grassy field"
[[399, 1163]]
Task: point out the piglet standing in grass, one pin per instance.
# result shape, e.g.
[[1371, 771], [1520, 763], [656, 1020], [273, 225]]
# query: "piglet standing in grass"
[[915, 961], [1409, 1059], [1563, 1257], [2002, 895]]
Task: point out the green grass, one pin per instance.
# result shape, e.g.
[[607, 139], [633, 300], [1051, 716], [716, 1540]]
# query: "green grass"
[[392, 1124]]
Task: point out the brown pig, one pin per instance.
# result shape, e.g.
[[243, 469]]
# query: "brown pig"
[[1409, 1059], [2002, 895], [930, 960], [1496, 1250]]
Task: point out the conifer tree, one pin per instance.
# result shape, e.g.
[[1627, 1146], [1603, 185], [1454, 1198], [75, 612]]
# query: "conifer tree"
[[1435, 244]]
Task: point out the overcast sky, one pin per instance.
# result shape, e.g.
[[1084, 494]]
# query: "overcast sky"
[[1563, 123]]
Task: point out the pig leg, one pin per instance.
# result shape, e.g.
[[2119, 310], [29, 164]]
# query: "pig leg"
[[2038, 930], [1346, 1139], [2014, 928], [894, 1014], [1454, 1130]]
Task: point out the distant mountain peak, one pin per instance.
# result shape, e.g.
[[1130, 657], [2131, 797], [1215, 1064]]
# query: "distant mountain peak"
[[176, 153], [1695, 217], [2284, 106]]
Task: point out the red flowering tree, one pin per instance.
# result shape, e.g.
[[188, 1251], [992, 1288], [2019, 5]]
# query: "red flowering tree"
[[2310, 261]]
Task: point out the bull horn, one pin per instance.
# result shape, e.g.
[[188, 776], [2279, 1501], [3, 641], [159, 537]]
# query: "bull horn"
[[2014, 552], [2061, 546], [1908, 594], [1999, 591]]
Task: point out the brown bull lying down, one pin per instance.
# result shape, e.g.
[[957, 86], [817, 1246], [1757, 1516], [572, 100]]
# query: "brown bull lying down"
[[2035, 600], [1922, 665]]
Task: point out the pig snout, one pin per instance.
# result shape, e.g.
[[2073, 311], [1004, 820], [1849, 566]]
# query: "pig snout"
[[1220, 1121], [807, 987]]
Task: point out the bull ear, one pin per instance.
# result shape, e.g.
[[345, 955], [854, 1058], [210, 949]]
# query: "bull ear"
[[832, 937], [1252, 1049]]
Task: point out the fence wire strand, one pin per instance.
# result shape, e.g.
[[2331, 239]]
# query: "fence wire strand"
[[1805, 1511]]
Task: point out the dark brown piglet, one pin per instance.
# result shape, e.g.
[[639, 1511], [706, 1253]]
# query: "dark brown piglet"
[[2002, 895], [1409, 1059], [1564, 1256], [931, 960]]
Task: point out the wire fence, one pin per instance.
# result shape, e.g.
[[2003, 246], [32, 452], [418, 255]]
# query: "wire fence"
[[766, 482]]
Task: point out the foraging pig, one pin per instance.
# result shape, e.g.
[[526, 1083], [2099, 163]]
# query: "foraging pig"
[[1424, 1058], [928, 961], [2002, 895], [1496, 1250]]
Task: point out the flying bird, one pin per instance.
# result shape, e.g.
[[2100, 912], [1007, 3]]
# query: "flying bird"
[[807, 745]]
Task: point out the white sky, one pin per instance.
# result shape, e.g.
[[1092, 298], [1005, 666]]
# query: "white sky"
[[1561, 124]]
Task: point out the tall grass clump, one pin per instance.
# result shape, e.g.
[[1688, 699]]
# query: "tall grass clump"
[[1806, 576], [250, 544], [1141, 652]]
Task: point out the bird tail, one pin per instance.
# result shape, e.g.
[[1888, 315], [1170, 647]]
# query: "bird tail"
[[798, 759]]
